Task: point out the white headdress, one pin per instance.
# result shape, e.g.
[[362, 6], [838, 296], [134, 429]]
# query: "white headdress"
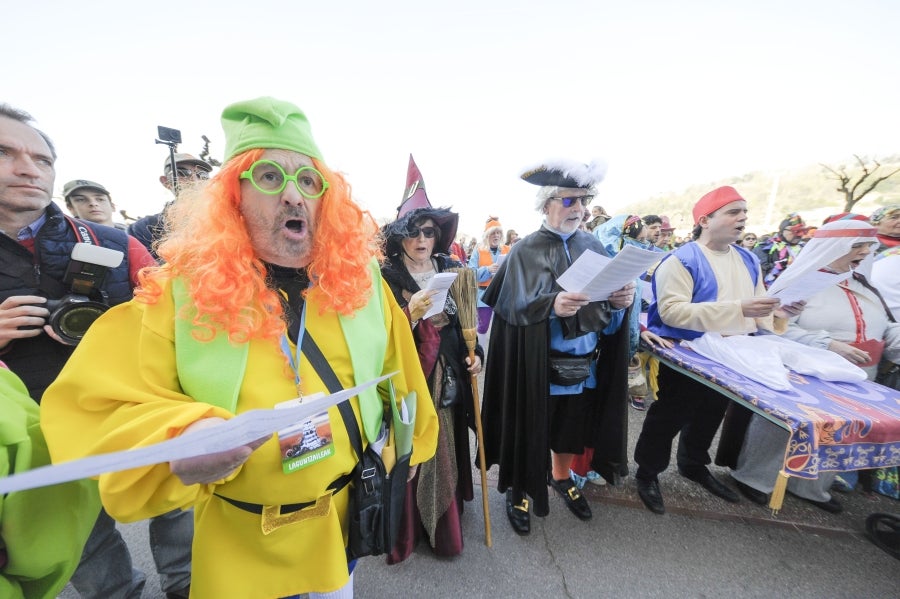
[[830, 242]]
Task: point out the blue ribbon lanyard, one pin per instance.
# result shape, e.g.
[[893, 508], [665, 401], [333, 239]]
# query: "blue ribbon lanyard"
[[294, 359]]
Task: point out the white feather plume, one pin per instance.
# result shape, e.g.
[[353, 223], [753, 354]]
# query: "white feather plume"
[[586, 175]]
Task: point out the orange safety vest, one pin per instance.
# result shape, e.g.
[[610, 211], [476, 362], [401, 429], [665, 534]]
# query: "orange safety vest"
[[486, 258]]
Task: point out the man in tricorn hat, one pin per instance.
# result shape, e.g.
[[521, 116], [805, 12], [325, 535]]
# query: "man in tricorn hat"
[[537, 413]]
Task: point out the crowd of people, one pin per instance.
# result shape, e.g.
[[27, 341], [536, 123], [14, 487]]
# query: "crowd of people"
[[221, 303]]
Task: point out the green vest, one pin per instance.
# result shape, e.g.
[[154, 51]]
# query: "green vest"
[[212, 371]]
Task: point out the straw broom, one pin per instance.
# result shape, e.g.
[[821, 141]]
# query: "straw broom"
[[464, 291]]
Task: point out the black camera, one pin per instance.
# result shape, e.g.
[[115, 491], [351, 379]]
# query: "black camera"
[[72, 315], [167, 135]]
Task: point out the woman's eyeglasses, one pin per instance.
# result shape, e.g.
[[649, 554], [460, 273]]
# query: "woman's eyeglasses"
[[270, 178], [428, 232], [567, 202]]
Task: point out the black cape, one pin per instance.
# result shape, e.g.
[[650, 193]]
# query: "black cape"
[[516, 391]]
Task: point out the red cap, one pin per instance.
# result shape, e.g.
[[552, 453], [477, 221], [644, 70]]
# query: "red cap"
[[666, 224], [714, 200], [846, 216]]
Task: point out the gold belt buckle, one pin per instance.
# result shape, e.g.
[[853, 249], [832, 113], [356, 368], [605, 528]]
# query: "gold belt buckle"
[[273, 519]]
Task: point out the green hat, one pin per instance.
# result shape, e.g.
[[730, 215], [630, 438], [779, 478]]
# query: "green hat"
[[267, 123]]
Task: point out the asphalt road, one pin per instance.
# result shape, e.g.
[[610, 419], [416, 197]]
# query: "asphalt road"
[[703, 547]]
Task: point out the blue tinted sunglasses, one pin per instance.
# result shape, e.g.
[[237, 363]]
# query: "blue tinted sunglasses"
[[567, 202]]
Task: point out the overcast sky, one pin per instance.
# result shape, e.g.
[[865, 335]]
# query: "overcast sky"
[[669, 93]]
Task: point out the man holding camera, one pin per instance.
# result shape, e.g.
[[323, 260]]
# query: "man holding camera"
[[188, 170], [41, 252]]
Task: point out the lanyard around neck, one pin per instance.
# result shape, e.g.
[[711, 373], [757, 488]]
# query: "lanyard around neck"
[[294, 358]]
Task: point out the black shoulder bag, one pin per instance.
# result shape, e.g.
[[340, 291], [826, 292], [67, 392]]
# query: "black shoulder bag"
[[376, 496]]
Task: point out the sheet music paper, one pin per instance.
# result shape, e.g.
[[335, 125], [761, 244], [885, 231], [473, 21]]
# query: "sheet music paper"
[[240, 430], [805, 286], [441, 282], [598, 276]]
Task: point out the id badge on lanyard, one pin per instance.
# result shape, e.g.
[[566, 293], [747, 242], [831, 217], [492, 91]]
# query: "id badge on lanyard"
[[309, 442]]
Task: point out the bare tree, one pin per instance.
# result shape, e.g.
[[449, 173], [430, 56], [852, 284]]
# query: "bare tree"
[[853, 190]]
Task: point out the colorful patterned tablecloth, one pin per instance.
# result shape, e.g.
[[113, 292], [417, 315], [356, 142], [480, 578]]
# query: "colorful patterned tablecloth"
[[833, 426]]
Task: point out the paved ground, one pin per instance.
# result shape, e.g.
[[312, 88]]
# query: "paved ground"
[[703, 547]]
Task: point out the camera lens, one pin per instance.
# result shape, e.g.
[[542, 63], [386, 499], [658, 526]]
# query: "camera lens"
[[75, 316], [76, 321]]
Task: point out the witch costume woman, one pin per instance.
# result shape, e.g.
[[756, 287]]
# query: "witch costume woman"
[[416, 248]]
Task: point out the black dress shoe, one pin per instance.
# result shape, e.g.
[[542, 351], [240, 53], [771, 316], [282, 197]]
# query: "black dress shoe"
[[711, 484], [648, 491], [517, 512], [575, 501], [752, 494], [832, 506]]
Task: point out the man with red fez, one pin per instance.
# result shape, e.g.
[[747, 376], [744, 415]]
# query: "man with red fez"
[[556, 378], [707, 285], [271, 252]]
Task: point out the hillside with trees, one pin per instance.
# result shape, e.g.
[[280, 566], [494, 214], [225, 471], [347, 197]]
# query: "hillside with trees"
[[813, 191]]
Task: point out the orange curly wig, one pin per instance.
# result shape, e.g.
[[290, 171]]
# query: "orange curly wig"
[[208, 245]]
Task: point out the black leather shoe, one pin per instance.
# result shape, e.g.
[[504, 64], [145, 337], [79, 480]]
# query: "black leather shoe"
[[648, 491], [832, 506], [752, 494], [517, 512], [711, 484], [179, 594], [575, 501]]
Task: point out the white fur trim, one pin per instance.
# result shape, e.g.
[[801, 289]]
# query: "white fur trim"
[[586, 175]]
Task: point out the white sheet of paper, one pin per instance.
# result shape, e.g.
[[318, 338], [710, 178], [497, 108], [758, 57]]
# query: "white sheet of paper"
[[441, 282], [240, 430], [501, 258], [805, 286], [598, 276]]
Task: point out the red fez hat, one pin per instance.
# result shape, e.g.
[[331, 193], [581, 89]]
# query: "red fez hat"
[[714, 200]]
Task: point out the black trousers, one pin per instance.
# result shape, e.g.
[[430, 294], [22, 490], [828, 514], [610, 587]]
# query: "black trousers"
[[684, 406]]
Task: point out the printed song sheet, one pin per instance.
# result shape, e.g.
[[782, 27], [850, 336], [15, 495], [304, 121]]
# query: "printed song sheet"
[[240, 430], [805, 286], [441, 282], [598, 276]]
